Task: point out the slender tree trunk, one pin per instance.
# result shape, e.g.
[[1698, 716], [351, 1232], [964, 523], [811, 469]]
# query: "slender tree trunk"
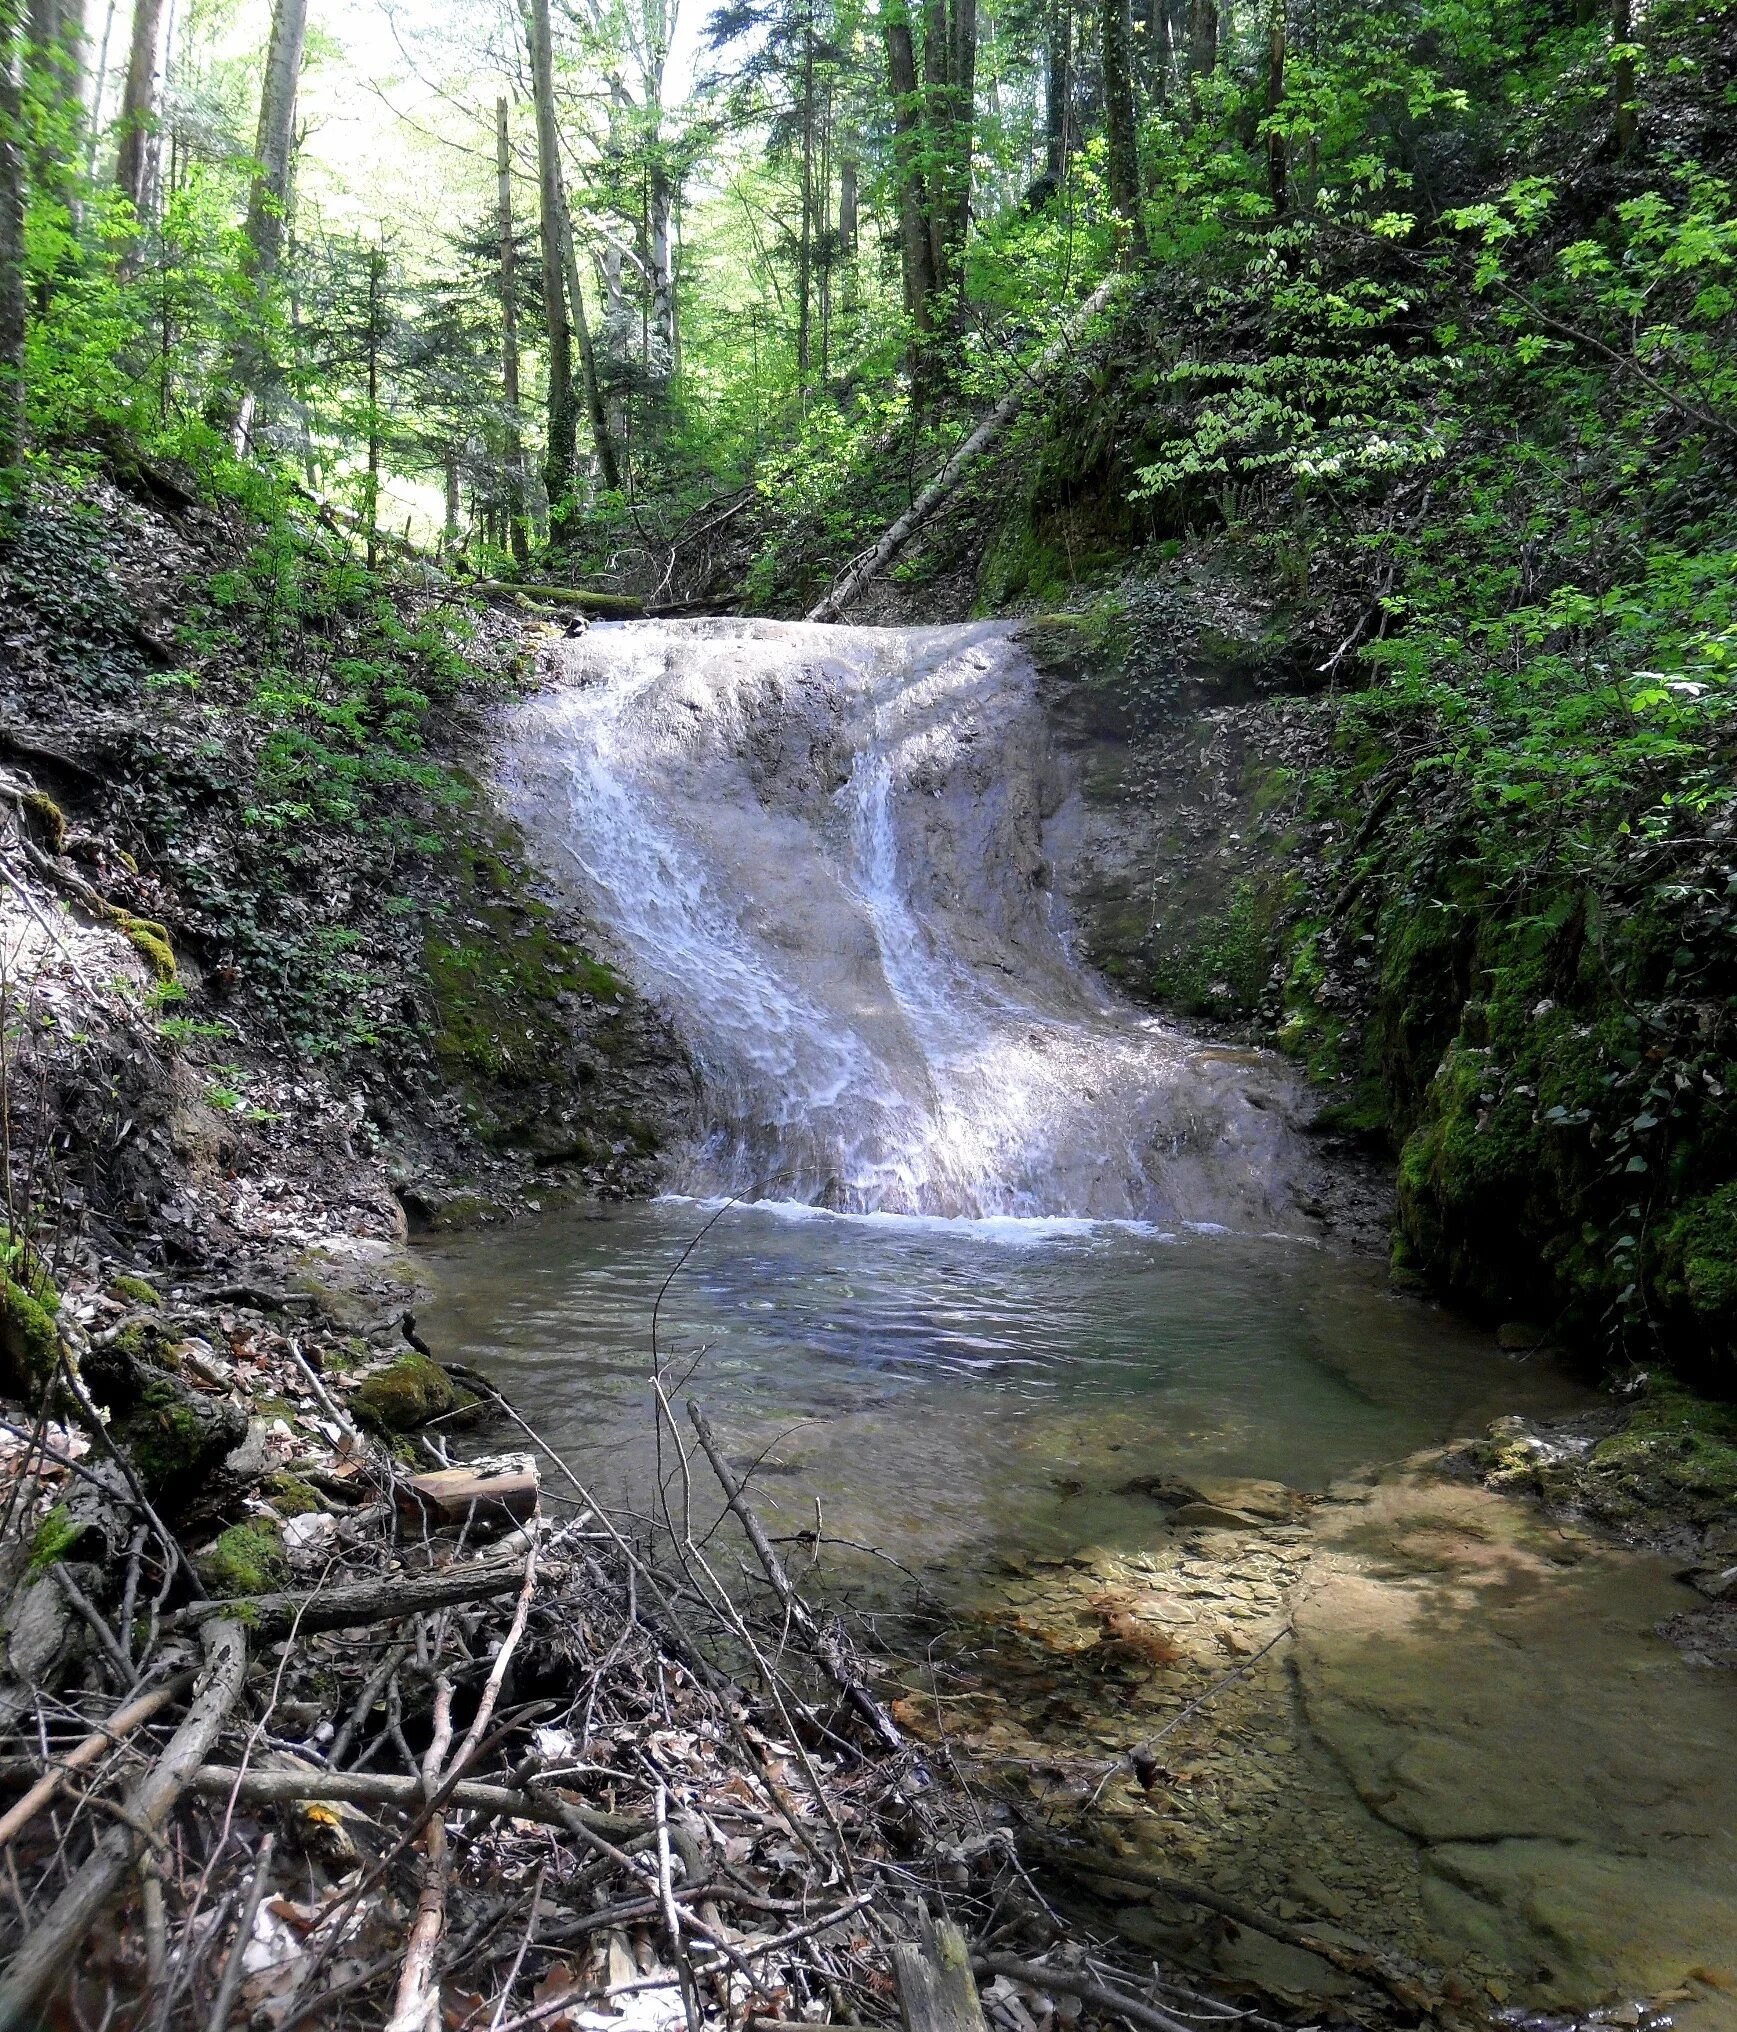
[[661, 246], [962, 128], [937, 104], [603, 437], [561, 451], [848, 171], [916, 258], [1625, 120], [805, 238], [376, 267], [12, 273], [1058, 79], [449, 529], [139, 102], [515, 446], [99, 93], [1116, 56], [268, 201], [1277, 165]]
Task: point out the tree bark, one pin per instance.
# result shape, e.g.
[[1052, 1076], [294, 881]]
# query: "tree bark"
[[12, 272], [561, 451], [268, 201], [603, 437], [139, 102], [1116, 56], [1202, 38], [916, 259], [515, 445]]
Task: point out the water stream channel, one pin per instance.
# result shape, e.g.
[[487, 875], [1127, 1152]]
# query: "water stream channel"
[[1030, 1291]]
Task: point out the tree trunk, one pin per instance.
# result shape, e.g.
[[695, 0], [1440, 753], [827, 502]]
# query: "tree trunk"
[[1625, 118], [376, 268], [608, 464], [561, 450], [1116, 54], [515, 445], [99, 92], [661, 240], [962, 128], [1202, 38], [805, 238], [139, 102], [1276, 162], [1058, 81], [12, 273], [268, 201], [848, 171], [916, 259]]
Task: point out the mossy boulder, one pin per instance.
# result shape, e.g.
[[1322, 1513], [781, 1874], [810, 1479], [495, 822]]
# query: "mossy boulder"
[[408, 1393], [248, 1559], [176, 1436]]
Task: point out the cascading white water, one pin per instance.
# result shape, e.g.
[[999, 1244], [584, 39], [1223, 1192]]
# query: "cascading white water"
[[828, 851]]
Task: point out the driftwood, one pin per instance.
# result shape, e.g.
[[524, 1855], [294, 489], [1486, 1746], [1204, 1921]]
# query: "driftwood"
[[823, 1641], [937, 1992], [388, 1599], [946, 482], [42, 1959], [1070, 1983]]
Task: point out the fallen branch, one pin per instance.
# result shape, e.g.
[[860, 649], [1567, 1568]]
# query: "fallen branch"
[[121, 1723], [388, 1789], [388, 1599], [946, 482], [823, 1641], [1067, 1983], [43, 1958], [622, 606]]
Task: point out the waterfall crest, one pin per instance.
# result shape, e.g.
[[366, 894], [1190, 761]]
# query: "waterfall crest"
[[828, 852]]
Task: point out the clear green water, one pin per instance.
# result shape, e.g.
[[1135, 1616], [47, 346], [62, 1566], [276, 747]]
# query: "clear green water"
[[951, 1390]]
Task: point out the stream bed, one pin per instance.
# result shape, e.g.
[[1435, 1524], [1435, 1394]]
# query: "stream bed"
[[1010, 1291]]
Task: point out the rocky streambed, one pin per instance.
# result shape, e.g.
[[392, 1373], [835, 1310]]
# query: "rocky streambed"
[[1415, 1713]]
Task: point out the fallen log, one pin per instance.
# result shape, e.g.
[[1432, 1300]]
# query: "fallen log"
[[1070, 1983], [617, 606], [946, 482], [46, 1951], [388, 1599]]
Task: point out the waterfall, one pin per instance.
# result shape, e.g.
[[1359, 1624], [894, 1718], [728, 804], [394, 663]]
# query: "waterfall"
[[829, 853]]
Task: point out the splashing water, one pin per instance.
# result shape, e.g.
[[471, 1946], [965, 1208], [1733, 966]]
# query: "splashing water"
[[829, 853]]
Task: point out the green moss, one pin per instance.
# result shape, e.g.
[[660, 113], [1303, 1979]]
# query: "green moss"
[[1224, 966], [135, 1291], [151, 941], [55, 1537], [497, 968], [50, 819], [248, 1559], [29, 1303], [290, 1496], [166, 1435], [1697, 1266], [1675, 1451], [408, 1394]]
